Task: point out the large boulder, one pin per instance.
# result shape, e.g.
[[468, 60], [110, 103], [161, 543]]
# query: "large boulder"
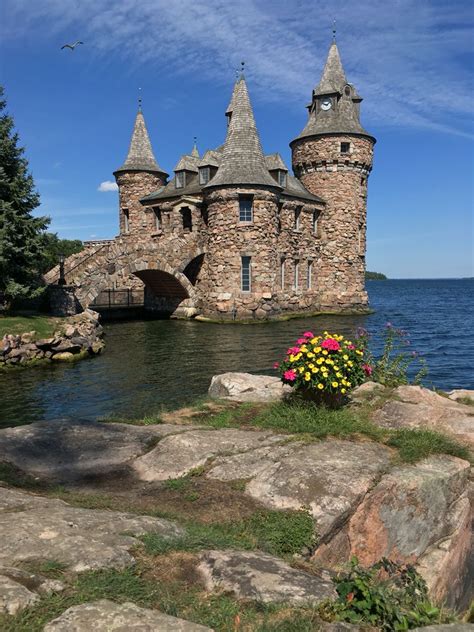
[[417, 407], [264, 578], [179, 454], [20, 589], [34, 527], [245, 387], [107, 616]]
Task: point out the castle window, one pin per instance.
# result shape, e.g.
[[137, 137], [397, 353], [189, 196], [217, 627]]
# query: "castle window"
[[309, 277], [296, 279], [204, 175], [187, 218], [345, 148], [282, 273], [158, 222], [315, 222], [180, 179], [282, 178], [245, 273], [245, 208], [126, 220], [347, 91], [280, 207], [297, 223]]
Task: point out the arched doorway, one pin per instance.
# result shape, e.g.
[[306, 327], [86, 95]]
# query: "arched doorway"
[[165, 294]]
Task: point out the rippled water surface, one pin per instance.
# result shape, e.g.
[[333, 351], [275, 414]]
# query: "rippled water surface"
[[155, 363]]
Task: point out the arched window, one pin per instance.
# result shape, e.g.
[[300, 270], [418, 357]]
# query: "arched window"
[[187, 218]]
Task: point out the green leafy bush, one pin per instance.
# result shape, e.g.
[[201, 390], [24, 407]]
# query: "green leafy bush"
[[386, 595]]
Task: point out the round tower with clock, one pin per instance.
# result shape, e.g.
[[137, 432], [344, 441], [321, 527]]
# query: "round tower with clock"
[[333, 158]]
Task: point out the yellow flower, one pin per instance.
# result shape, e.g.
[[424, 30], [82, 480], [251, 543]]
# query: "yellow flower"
[[325, 352], [336, 368], [348, 384], [320, 386], [317, 350], [343, 390], [334, 384], [315, 370], [307, 376], [359, 352], [338, 374], [314, 340], [319, 361], [310, 354], [301, 369], [311, 365], [304, 349], [346, 357], [351, 364]]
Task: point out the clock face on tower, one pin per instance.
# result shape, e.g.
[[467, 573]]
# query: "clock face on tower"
[[326, 104]]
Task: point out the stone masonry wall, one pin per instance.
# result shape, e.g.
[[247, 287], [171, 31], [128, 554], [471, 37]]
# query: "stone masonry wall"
[[340, 179], [133, 185]]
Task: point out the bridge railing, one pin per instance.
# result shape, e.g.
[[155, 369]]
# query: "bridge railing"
[[119, 298]]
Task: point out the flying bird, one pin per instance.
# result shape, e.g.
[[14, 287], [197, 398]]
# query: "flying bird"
[[72, 46]]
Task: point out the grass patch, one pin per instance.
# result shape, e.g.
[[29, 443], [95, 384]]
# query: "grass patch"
[[276, 532], [414, 445], [47, 568], [11, 475], [44, 326]]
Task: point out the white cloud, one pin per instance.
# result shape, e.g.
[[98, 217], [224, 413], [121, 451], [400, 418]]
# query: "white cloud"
[[408, 58], [107, 185]]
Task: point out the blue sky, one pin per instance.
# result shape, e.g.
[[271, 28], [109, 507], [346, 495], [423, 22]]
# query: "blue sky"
[[411, 60]]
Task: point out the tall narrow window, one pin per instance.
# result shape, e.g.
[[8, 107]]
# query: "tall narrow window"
[[158, 222], [204, 175], [296, 280], [245, 274], [180, 179], [297, 223], [187, 218], [245, 208], [315, 222], [282, 178], [279, 210], [282, 273], [126, 220], [309, 277]]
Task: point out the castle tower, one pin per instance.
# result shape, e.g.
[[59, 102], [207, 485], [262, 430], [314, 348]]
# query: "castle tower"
[[139, 175], [333, 158], [242, 202]]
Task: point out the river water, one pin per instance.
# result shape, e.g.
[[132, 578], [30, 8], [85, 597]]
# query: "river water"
[[151, 364]]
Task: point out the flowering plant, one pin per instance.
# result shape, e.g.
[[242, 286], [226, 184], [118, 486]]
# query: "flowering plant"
[[325, 364]]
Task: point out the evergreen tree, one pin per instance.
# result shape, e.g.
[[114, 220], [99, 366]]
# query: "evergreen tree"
[[21, 234]]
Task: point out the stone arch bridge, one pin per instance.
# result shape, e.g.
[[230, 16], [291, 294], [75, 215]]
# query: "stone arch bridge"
[[166, 274]]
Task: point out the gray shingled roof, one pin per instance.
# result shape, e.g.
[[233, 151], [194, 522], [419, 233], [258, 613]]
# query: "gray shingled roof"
[[242, 161], [274, 162], [211, 158], [188, 163], [343, 117], [140, 155], [170, 191], [294, 188]]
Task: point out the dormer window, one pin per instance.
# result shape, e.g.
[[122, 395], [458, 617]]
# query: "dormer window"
[[347, 91], [204, 175], [180, 179], [282, 178]]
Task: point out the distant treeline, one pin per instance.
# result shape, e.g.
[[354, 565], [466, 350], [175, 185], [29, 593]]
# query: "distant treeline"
[[378, 276]]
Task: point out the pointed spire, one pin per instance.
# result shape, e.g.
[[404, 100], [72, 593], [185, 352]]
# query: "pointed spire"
[[140, 155], [195, 151], [333, 78], [242, 160]]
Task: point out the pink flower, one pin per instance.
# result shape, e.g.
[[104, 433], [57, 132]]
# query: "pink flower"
[[367, 369], [330, 344], [308, 334], [276, 365], [293, 350], [351, 347], [290, 375], [301, 341]]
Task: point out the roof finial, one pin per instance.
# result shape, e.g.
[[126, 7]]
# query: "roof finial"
[[242, 68], [334, 30], [195, 151], [140, 99]]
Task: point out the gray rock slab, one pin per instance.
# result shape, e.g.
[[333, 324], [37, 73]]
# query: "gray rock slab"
[[259, 576], [461, 393], [329, 477], [107, 616], [245, 387], [177, 455], [19, 589], [417, 407], [33, 527], [68, 450]]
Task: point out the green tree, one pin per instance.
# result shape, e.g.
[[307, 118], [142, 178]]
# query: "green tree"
[[53, 247], [21, 234]]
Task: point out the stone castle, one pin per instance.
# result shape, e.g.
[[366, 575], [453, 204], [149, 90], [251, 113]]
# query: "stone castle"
[[234, 235]]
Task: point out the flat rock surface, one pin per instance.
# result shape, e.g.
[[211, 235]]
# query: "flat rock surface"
[[179, 454], [68, 450], [245, 387], [107, 616], [329, 477], [461, 393], [34, 527], [19, 589], [417, 407], [262, 577]]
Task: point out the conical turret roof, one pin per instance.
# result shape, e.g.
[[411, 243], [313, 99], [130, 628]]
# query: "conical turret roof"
[[140, 155], [242, 159], [333, 78]]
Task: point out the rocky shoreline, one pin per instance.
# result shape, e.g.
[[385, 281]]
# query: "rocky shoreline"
[[78, 337], [133, 495]]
